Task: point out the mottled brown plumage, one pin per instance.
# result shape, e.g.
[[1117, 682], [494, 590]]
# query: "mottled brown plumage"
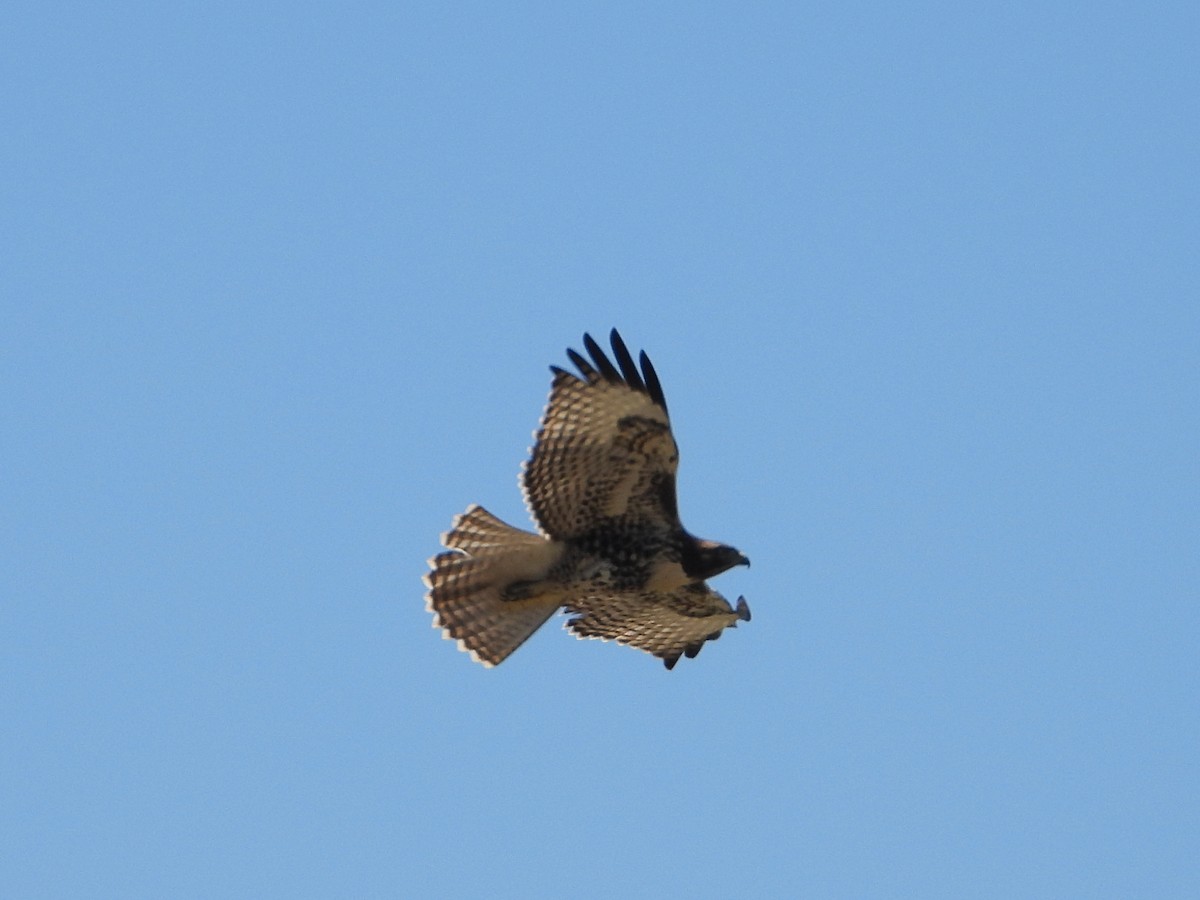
[[600, 484]]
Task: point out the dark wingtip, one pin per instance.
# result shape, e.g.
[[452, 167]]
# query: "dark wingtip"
[[581, 363], [632, 376], [653, 386], [743, 609], [607, 369], [626, 371]]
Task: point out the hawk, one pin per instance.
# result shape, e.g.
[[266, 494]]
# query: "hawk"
[[600, 484]]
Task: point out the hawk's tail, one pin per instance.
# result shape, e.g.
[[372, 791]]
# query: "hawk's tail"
[[468, 582]]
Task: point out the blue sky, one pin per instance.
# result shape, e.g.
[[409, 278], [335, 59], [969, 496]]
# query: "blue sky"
[[281, 286]]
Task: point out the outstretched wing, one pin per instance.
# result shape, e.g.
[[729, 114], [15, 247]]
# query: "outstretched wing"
[[668, 625], [604, 448]]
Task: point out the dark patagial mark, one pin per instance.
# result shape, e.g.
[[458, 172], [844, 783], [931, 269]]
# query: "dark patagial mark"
[[664, 485]]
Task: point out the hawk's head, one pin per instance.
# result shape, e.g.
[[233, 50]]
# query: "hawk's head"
[[702, 560]]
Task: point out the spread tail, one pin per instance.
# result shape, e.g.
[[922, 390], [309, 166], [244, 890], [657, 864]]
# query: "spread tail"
[[467, 585]]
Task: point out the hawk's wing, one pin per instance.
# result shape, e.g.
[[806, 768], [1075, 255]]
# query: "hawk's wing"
[[604, 448], [668, 625]]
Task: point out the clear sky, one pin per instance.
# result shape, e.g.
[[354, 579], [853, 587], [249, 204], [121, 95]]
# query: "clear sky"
[[281, 286]]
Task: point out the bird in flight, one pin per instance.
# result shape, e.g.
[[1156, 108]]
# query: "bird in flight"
[[611, 550]]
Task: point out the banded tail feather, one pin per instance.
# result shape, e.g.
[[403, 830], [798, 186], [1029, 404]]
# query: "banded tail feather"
[[467, 585]]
